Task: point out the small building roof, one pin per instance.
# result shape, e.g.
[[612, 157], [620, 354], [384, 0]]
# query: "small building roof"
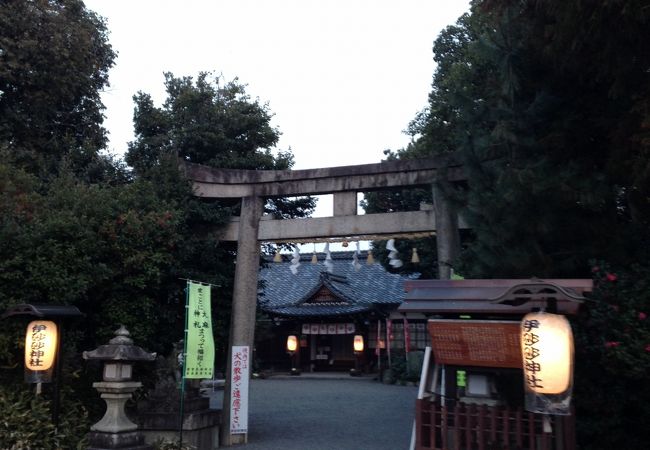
[[498, 297], [43, 311], [352, 291]]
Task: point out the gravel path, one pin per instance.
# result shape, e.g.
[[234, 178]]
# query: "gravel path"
[[302, 413]]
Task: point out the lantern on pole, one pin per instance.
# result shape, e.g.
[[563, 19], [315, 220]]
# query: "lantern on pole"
[[358, 343], [292, 344], [358, 351], [33, 344], [547, 354], [292, 350], [41, 343]]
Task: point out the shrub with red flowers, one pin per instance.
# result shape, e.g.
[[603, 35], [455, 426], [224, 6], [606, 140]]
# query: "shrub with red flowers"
[[612, 342]]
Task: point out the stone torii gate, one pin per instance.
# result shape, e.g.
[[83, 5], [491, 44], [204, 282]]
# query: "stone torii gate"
[[253, 187]]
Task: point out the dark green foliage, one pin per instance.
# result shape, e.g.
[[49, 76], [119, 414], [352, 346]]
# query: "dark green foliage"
[[205, 122], [612, 341], [26, 424], [547, 105], [211, 122], [103, 248], [405, 367], [554, 143], [543, 148], [54, 61]]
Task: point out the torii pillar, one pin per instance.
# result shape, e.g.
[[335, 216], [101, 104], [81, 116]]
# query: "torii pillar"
[[242, 330], [447, 235], [254, 187]]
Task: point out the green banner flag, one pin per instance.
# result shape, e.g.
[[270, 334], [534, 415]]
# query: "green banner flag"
[[199, 358]]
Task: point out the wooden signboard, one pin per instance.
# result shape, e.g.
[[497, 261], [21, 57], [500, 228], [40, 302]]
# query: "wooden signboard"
[[484, 343]]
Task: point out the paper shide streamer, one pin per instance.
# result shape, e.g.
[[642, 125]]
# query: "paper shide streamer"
[[295, 261], [393, 256], [329, 265], [355, 259]]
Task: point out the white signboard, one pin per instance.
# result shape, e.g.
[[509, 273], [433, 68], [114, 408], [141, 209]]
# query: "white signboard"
[[239, 389], [331, 328]]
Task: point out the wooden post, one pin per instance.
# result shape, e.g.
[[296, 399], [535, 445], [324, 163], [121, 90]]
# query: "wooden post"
[[447, 236], [242, 327]]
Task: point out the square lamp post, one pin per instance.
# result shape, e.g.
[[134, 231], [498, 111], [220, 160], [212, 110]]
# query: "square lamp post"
[[358, 351], [43, 345]]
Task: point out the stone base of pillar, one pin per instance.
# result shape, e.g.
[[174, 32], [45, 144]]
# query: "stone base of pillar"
[[130, 440], [200, 428]]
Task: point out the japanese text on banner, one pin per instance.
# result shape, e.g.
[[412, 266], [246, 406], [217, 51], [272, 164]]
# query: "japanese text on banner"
[[199, 360], [239, 390]]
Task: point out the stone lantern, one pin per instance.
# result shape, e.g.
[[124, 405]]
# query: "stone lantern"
[[115, 430]]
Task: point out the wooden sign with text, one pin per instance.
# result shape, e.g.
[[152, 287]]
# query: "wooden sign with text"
[[482, 343]]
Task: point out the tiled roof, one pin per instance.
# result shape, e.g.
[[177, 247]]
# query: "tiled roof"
[[318, 310], [283, 293]]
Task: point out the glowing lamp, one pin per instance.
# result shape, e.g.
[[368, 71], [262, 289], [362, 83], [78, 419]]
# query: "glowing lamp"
[[292, 343], [358, 343], [41, 340], [547, 352]]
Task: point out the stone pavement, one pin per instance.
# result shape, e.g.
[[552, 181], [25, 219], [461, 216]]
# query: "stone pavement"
[[329, 412]]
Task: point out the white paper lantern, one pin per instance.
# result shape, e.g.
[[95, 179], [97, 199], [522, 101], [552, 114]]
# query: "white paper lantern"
[[41, 340], [547, 353], [292, 343], [358, 343]]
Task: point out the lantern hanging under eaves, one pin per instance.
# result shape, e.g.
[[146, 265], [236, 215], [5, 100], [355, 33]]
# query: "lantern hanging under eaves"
[[41, 341], [292, 343], [547, 357]]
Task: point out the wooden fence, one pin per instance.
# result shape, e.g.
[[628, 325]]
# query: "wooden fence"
[[460, 426]]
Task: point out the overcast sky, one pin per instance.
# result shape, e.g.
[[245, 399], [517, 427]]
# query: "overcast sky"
[[343, 77]]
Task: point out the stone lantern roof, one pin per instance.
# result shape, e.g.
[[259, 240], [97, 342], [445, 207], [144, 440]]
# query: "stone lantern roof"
[[120, 348]]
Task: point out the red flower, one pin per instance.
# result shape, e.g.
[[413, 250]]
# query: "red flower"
[[610, 344], [647, 348], [611, 277], [643, 316]]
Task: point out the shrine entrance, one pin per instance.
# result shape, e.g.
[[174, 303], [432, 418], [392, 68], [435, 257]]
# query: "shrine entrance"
[[251, 229]]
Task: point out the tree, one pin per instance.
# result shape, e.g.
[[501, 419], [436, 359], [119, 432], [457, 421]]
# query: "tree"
[[545, 187], [54, 61], [433, 131], [107, 249], [212, 122], [542, 147], [546, 104], [205, 122], [103, 248]]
